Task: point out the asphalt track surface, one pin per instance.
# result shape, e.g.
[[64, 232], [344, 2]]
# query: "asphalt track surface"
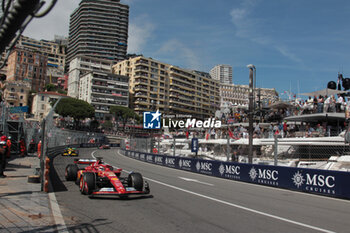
[[181, 201]]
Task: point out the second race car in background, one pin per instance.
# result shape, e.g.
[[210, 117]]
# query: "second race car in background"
[[70, 151], [104, 146], [98, 178]]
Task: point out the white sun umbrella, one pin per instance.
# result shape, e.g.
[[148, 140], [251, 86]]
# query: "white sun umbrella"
[[324, 92]]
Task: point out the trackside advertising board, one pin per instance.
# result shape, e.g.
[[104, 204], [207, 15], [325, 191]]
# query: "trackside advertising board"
[[323, 182]]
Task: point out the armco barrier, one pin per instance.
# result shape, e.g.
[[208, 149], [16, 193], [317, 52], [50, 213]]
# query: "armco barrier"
[[323, 182], [90, 145]]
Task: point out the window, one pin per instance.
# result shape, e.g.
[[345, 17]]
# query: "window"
[[21, 97], [22, 90], [43, 107], [42, 98]]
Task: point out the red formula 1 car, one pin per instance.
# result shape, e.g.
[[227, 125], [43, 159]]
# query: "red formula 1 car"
[[98, 178], [104, 146]]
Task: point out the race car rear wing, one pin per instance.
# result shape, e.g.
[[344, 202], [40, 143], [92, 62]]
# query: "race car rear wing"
[[85, 161]]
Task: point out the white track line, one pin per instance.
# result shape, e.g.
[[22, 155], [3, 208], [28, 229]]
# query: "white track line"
[[242, 182], [56, 213], [241, 207]]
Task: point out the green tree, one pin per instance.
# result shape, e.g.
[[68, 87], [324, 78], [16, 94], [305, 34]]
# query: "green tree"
[[123, 114], [50, 87], [75, 108], [94, 124], [107, 125]]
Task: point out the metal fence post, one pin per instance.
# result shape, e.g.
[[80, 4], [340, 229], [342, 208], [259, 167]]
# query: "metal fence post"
[[43, 150], [276, 150], [158, 145], [228, 148]]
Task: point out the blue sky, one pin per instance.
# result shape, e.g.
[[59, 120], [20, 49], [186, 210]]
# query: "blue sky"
[[295, 45]]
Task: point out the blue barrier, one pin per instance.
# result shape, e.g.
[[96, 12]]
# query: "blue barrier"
[[322, 182]]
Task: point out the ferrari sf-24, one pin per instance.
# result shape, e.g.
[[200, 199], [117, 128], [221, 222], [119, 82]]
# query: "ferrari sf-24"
[[98, 178]]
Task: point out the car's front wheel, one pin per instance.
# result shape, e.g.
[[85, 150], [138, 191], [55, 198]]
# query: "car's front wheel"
[[71, 172], [87, 183], [135, 180]]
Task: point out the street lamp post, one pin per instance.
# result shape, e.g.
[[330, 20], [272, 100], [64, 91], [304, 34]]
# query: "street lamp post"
[[251, 110]]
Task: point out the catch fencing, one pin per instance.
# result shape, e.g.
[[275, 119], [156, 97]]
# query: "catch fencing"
[[272, 151]]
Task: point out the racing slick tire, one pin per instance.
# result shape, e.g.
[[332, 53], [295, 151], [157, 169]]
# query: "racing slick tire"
[[71, 172], [135, 180], [87, 183]]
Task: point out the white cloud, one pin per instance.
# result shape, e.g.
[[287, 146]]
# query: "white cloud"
[[237, 15], [140, 31], [285, 52], [55, 23], [175, 48], [248, 27]]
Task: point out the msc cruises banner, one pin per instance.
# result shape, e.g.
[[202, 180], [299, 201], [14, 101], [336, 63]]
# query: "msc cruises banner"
[[325, 182]]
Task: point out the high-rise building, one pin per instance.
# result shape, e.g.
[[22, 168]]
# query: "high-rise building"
[[99, 29], [168, 88], [223, 73]]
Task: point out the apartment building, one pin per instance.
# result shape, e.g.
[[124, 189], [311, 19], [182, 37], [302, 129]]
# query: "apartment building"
[[42, 103], [104, 90], [171, 89], [223, 73], [27, 65], [99, 29], [238, 95], [16, 93], [81, 65], [54, 50]]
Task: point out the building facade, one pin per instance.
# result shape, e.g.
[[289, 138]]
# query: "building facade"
[[27, 65], [81, 65], [238, 95], [99, 29], [104, 90], [173, 90], [16, 93], [42, 103], [223, 73], [62, 82], [54, 50]]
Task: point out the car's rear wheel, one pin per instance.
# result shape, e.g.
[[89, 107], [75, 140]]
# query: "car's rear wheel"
[[71, 172], [135, 180], [87, 183]]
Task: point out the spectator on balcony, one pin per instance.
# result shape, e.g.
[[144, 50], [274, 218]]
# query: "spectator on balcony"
[[320, 130], [314, 110], [326, 104], [320, 104], [340, 103]]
